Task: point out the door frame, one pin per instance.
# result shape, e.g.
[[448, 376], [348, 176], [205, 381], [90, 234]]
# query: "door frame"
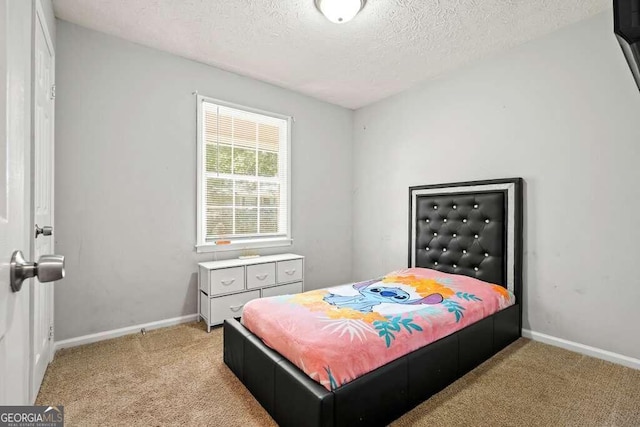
[[39, 18], [16, 18]]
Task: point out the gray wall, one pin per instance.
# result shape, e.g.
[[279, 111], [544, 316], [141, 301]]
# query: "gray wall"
[[562, 112], [126, 174]]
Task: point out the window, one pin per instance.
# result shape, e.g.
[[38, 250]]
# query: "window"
[[243, 177]]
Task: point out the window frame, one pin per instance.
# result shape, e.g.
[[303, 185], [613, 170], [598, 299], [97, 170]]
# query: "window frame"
[[237, 244]]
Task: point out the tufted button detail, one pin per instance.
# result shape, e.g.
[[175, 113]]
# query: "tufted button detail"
[[458, 223]]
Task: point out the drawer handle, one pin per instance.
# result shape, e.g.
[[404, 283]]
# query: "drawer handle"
[[261, 276], [290, 272], [236, 307], [227, 282]]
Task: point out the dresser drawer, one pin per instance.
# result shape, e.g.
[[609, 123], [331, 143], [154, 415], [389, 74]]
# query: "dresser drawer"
[[225, 286], [290, 289], [226, 280], [290, 271], [261, 275], [230, 306]]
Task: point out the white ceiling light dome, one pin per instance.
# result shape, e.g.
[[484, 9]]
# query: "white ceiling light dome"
[[340, 11]]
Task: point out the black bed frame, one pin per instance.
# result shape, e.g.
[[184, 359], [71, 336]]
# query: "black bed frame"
[[482, 238]]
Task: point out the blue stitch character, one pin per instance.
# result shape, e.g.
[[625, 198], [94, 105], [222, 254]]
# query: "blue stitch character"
[[370, 296]]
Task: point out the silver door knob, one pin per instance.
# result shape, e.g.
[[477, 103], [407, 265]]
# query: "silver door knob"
[[49, 268], [47, 230]]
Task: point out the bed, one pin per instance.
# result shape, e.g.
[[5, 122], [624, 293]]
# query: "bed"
[[470, 229]]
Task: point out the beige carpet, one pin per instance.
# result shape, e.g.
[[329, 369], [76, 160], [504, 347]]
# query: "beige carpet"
[[175, 376]]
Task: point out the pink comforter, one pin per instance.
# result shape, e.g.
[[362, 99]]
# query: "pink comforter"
[[336, 335]]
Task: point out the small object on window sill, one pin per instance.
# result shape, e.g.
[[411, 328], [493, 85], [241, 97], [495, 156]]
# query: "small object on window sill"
[[248, 254], [223, 242]]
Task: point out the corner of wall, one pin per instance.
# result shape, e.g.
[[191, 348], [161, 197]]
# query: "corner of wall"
[[47, 8]]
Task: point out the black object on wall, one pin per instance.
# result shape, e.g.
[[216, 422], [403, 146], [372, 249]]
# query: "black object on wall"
[[626, 24]]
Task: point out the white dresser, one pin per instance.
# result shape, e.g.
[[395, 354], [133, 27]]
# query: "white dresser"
[[226, 286]]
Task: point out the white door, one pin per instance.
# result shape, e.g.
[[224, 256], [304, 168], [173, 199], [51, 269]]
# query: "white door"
[[43, 150], [15, 190]]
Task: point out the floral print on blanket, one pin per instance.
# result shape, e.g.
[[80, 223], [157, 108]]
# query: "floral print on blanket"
[[387, 290], [338, 334]]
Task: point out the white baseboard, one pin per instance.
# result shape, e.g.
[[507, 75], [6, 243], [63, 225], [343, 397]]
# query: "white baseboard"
[[115, 333], [583, 349]]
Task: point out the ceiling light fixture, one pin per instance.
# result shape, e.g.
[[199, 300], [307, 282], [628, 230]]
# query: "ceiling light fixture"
[[340, 11]]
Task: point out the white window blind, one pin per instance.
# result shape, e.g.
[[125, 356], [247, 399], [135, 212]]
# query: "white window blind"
[[244, 172]]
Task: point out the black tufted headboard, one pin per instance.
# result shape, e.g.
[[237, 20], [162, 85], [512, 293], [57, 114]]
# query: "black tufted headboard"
[[470, 228]]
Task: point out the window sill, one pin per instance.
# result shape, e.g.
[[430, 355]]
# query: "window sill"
[[244, 244]]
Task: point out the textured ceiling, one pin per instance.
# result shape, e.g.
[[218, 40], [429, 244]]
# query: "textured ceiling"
[[390, 46]]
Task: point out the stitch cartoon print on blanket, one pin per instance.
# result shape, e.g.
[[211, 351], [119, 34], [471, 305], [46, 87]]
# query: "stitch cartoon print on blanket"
[[337, 334]]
